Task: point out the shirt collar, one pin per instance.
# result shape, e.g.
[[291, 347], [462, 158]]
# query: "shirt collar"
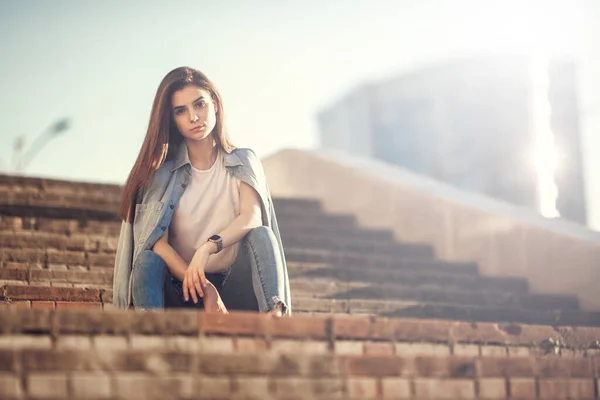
[[182, 158]]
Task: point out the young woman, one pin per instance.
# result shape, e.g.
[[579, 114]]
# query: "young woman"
[[199, 228]]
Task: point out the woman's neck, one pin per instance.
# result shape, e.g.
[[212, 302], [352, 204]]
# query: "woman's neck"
[[202, 153]]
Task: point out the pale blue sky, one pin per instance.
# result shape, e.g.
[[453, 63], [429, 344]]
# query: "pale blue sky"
[[276, 63]]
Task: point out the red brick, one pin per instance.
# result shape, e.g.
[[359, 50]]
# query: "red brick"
[[445, 367], [522, 388], [408, 330], [252, 364], [554, 367], [566, 389], [300, 346], [442, 389], [250, 344], [66, 305], [579, 337], [499, 367], [151, 362], [86, 385], [91, 322], [8, 359], [216, 344], [292, 387], [348, 347], [395, 388], [351, 328], [51, 293], [67, 257], [234, 323], [57, 360], [385, 329], [136, 386], [325, 388], [251, 387], [461, 349], [10, 387], [20, 304], [321, 366], [169, 322], [494, 351], [48, 305], [13, 274], [521, 334], [47, 385], [419, 349], [299, 327], [493, 389], [211, 387], [379, 349], [362, 388], [32, 321], [376, 366]]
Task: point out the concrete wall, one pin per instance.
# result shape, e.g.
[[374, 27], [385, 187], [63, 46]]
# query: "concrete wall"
[[556, 256]]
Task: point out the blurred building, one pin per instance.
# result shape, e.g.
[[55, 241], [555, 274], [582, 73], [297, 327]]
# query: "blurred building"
[[469, 123]]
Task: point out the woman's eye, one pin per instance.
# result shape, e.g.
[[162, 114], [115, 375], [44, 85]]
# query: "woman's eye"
[[200, 104], [178, 112]]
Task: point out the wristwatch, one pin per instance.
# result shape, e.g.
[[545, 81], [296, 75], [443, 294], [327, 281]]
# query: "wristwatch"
[[217, 239]]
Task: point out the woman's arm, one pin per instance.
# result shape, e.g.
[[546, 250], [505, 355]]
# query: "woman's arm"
[[173, 260], [250, 217]]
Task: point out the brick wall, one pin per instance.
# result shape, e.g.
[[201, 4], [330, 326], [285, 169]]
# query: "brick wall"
[[185, 354]]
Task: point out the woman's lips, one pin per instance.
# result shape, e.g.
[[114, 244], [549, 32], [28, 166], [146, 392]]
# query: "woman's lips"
[[196, 129]]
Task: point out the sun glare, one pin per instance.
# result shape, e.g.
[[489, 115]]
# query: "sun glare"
[[545, 157]]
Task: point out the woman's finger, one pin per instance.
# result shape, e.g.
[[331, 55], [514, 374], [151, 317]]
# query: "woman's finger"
[[184, 286], [202, 279], [197, 283], [191, 287]]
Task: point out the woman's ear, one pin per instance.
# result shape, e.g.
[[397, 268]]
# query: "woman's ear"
[[216, 106]]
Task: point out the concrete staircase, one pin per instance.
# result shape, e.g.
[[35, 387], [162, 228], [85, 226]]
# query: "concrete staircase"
[[374, 319]]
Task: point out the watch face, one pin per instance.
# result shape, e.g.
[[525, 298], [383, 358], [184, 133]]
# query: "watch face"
[[214, 237]]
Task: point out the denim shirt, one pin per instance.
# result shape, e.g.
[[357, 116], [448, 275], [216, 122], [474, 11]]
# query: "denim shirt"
[[157, 203]]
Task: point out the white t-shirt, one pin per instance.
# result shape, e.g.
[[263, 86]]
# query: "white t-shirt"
[[210, 202]]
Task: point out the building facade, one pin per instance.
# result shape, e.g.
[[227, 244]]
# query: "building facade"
[[469, 123]]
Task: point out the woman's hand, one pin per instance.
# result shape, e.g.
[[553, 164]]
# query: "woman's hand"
[[195, 280]]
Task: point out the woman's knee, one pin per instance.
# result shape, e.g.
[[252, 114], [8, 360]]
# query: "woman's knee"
[[261, 234], [149, 266]]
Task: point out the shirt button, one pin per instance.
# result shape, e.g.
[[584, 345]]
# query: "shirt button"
[[184, 185], [164, 228], [172, 206]]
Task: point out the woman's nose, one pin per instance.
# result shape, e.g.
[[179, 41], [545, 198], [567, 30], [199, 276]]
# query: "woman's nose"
[[193, 117]]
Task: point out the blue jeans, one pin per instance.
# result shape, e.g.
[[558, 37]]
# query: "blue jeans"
[[250, 284]]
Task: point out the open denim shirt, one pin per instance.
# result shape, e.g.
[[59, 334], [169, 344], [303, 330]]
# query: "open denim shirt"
[[156, 204]]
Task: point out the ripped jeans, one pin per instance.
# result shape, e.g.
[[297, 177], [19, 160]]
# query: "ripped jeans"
[[253, 281]]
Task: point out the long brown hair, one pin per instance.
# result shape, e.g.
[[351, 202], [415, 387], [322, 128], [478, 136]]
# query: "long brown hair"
[[163, 138]]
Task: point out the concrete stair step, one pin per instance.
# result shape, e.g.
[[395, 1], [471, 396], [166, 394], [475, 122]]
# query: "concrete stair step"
[[325, 289], [50, 257], [454, 312], [340, 243], [104, 206], [407, 277], [388, 308], [10, 293], [58, 241], [412, 253], [102, 277], [64, 234]]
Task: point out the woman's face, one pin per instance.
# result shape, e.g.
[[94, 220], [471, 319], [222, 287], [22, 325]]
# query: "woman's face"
[[194, 112]]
